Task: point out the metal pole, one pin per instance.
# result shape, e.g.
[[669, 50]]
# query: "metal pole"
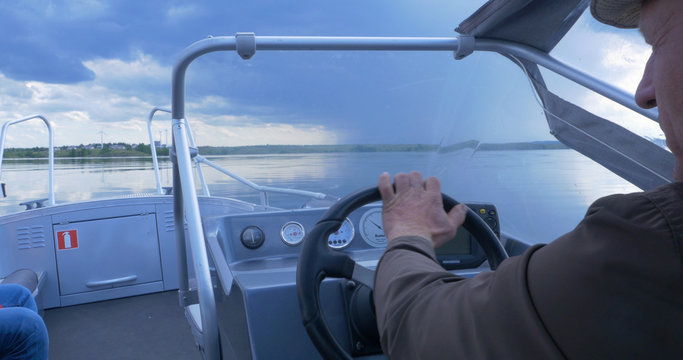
[[153, 148], [207, 303], [51, 151]]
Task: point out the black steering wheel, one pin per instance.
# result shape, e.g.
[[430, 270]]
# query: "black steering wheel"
[[317, 262]]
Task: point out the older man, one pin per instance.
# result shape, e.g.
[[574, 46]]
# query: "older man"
[[611, 288]]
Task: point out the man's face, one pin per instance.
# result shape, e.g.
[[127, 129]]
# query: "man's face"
[[661, 23]]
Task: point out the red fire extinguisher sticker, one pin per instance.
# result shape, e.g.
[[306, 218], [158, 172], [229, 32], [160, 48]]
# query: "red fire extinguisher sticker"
[[67, 239]]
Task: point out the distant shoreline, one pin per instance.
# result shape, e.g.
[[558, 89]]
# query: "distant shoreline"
[[141, 150]]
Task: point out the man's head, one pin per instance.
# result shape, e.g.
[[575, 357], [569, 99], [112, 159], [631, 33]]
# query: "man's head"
[[661, 23]]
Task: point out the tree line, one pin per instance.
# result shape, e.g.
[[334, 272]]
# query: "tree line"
[[123, 149], [106, 150]]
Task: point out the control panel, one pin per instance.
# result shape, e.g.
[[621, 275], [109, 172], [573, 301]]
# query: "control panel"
[[281, 233]]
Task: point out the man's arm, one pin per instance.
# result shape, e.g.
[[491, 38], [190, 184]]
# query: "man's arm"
[[425, 312]]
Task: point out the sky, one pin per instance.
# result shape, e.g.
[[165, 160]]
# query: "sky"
[[96, 68]]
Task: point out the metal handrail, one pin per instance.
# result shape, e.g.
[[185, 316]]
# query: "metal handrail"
[[246, 45], [153, 149], [160, 190], [198, 159], [264, 190], [51, 152]]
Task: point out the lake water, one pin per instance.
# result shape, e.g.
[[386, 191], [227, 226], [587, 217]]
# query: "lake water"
[[540, 194]]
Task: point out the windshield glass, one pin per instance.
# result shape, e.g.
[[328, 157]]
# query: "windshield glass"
[[332, 121], [619, 60], [476, 124]]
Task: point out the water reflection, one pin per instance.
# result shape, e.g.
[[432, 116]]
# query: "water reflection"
[[540, 194]]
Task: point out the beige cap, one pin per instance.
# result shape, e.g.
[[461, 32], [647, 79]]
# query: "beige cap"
[[619, 13]]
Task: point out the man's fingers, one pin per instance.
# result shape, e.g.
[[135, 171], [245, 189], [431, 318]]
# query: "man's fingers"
[[432, 184], [385, 188], [415, 179], [402, 182], [457, 214]]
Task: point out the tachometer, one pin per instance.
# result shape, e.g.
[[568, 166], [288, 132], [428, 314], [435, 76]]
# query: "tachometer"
[[342, 237], [371, 228], [292, 233]]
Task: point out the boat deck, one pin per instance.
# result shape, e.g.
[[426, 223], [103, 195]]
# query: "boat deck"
[[140, 327]]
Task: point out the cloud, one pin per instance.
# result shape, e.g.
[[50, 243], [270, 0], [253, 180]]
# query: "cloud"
[[143, 68], [39, 38], [41, 63], [273, 134], [107, 72], [183, 12], [117, 102], [65, 10]]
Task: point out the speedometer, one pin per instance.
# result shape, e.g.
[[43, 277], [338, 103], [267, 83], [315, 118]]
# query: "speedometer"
[[342, 237], [371, 228]]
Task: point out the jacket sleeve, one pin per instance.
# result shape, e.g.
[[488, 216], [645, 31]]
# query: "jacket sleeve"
[[425, 312], [611, 288]]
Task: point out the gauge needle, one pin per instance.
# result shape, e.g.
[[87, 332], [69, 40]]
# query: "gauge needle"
[[374, 223]]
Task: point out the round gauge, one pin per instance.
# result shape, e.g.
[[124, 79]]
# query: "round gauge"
[[342, 237], [252, 237], [292, 233], [371, 228]]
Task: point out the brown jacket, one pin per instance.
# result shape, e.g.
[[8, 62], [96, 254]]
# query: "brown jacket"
[[610, 289]]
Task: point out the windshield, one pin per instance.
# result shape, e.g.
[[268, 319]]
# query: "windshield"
[[476, 124], [332, 121]]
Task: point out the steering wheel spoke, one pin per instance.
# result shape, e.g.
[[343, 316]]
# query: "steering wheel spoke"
[[363, 275]]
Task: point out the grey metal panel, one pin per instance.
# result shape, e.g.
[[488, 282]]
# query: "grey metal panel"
[[22, 235], [274, 328], [123, 251], [274, 252], [102, 212], [113, 293], [166, 231], [23, 245], [167, 250], [231, 228]]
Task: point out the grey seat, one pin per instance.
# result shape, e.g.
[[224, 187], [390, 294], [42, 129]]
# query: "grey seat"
[[25, 277]]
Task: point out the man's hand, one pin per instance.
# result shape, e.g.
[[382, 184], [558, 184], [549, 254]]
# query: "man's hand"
[[415, 208]]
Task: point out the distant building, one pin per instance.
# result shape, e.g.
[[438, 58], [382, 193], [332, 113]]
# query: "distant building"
[[157, 144]]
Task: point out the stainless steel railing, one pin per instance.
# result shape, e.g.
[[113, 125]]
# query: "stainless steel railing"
[[51, 153], [198, 159], [160, 190]]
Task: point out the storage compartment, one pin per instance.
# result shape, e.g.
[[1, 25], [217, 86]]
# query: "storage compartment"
[[107, 253]]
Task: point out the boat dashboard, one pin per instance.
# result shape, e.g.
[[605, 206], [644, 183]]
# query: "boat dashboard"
[[258, 311], [249, 241]]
